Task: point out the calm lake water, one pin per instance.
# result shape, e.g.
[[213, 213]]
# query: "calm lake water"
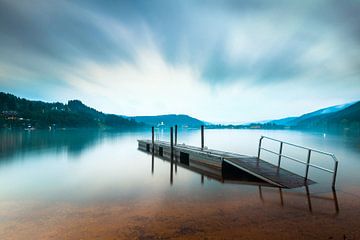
[[97, 185]]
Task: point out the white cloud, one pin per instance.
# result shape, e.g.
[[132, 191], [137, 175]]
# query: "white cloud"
[[267, 62]]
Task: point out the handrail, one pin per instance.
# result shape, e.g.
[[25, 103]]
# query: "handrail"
[[295, 145], [307, 163]]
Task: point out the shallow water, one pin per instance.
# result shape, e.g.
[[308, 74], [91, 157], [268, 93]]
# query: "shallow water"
[[97, 185]]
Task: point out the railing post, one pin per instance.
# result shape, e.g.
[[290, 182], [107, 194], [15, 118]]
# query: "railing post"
[[176, 130], [261, 138], [280, 152], [202, 137], [335, 173], [308, 164], [171, 144], [152, 138]]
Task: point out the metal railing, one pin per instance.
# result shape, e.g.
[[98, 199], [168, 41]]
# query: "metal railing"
[[307, 163]]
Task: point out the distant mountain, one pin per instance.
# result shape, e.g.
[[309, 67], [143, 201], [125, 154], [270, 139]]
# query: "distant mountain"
[[169, 120], [294, 121], [346, 118], [18, 112], [284, 121], [22, 113]]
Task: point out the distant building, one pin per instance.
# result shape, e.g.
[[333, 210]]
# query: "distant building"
[[9, 113]]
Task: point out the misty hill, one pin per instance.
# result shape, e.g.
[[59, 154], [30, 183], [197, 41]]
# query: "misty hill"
[[169, 120], [347, 118], [18, 112], [294, 121]]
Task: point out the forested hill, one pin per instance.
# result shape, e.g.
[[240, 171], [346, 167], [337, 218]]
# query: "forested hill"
[[18, 112], [169, 120], [348, 118]]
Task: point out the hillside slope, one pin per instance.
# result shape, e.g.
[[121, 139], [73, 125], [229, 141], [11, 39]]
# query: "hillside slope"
[[169, 120], [294, 121], [18, 112], [348, 118]]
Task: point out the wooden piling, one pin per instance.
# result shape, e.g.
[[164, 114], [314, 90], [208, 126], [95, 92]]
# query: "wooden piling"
[[202, 136], [176, 130], [172, 155], [280, 154], [172, 143], [307, 164], [152, 138]]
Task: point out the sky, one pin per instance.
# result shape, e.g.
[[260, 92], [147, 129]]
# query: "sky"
[[220, 61]]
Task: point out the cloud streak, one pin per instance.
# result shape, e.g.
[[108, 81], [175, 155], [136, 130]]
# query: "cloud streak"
[[223, 61]]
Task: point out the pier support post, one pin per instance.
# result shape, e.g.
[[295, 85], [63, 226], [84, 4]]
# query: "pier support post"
[[152, 138], [308, 164], [172, 143], [172, 155], [280, 153], [202, 136], [334, 176], [259, 149], [176, 130]]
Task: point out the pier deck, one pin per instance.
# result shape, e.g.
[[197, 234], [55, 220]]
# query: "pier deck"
[[259, 168]]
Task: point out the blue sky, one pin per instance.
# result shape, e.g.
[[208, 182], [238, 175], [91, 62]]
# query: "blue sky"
[[220, 61]]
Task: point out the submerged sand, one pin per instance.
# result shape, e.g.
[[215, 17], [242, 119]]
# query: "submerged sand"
[[234, 216]]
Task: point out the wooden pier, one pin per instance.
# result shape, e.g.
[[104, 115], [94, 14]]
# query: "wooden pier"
[[255, 166], [215, 159]]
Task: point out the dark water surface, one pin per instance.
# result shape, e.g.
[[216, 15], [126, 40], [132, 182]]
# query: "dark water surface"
[[97, 185]]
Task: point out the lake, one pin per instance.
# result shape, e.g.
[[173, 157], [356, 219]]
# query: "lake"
[[91, 184]]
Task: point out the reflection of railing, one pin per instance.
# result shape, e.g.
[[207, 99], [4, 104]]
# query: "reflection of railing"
[[307, 163], [309, 197], [158, 133]]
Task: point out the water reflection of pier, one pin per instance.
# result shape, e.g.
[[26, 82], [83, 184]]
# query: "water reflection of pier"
[[223, 175], [228, 176]]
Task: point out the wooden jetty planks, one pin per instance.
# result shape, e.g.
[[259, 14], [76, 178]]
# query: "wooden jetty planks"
[[269, 172]]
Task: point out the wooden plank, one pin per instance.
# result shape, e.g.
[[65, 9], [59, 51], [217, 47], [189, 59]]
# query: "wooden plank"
[[269, 171]]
